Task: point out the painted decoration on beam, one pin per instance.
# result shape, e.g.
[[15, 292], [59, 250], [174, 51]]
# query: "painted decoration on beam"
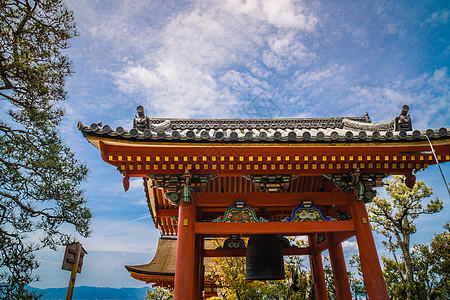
[[233, 242], [271, 183], [173, 197], [176, 182], [361, 184], [307, 213], [179, 187], [239, 213]]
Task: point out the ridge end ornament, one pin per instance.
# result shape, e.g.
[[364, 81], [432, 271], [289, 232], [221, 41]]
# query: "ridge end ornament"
[[141, 121], [403, 121]]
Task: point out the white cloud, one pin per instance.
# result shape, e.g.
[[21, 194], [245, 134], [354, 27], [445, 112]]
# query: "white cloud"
[[136, 184], [439, 17], [350, 246], [280, 13], [312, 78], [137, 235], [200, 67], [427, 95], [284, 51]]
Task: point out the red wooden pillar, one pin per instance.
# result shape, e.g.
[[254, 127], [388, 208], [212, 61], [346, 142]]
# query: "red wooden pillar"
[[340, 275], [320, 286], [185, 268], [199, 274], [370, 264]]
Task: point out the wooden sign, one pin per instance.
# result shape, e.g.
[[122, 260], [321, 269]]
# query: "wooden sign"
[[73, 261], [74, 253]]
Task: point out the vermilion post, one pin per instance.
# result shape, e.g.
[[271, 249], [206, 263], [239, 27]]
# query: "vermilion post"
[[370, 264], [198, 276], [340, 276], [185, 268], [320, 286]]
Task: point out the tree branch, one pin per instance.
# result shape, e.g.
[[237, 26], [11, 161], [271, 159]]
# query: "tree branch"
[[10, 98], [33, 212]]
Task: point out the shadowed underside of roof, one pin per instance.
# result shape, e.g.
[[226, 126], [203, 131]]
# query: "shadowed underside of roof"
[[232, 184]]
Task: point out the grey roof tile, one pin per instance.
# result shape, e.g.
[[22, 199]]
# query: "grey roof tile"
[[288, 130]]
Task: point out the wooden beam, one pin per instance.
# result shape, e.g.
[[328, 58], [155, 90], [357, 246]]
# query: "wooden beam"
[[270, 199], [116, 147], [139, 160], [225, 253], [340, 237], [212, 229], [242, 252], [185, 268], [320, 287], [164, 212], [340, 276], [296, 251], [321, 247], [332, 211], [370, 263]]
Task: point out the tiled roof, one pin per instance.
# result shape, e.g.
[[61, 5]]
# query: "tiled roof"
[[292, 130], [163, 263]]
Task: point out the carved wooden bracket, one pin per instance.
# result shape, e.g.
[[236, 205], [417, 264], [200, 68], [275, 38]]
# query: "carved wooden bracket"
[[271, 183], [361, 184], [180, 186]]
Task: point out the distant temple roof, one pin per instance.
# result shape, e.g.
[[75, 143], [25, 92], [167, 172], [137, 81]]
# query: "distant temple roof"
[[163, 263], [161, 270], [292, 130]]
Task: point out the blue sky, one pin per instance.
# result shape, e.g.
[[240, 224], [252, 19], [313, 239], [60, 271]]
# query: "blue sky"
[[212, 59]]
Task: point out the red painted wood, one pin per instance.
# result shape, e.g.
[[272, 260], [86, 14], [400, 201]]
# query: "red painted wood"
[[373, 276], [321, 247], [185, 268], [199, 274], [267, 199], [212, 229], [291, 150], [340, 237], [320, 286], [163, 155], [242, 252], [340, 276]]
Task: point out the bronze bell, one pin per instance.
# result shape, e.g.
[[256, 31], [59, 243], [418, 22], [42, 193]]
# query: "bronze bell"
[[264, 259]]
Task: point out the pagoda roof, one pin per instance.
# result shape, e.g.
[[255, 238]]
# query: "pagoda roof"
[[280, 130], [163, 263]]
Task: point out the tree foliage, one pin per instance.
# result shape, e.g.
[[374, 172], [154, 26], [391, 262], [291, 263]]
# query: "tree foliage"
[[159, 293], [228, 273], [356, 279], [39, 175], [395, 219], [431, 266]]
